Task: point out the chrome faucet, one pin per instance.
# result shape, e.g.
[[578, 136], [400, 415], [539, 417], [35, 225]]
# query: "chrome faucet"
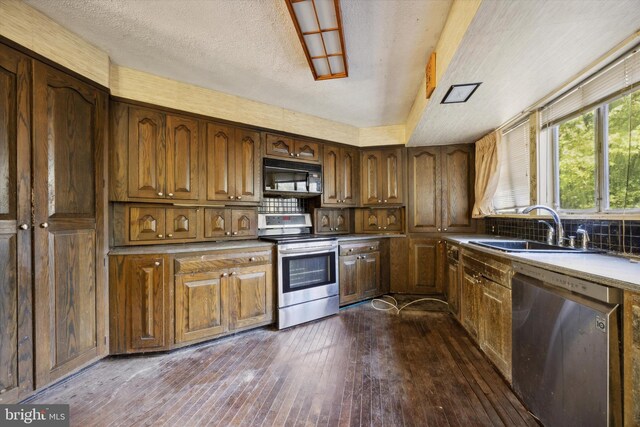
[[556, 219], [585, 237], [550, 231]]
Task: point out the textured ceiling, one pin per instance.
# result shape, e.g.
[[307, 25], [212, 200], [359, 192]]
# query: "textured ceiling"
[[249, 48], [521, 51]]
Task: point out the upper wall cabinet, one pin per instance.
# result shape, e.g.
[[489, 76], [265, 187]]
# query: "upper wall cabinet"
[[441, 189], [232, 164], [154, 156], [382, 176], [340, 173], [299, 150]]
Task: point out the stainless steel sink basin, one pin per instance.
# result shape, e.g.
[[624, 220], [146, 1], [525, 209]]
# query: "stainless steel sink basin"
[[528, 246]]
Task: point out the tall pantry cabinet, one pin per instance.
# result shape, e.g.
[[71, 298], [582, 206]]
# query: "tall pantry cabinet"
[[52, 224]]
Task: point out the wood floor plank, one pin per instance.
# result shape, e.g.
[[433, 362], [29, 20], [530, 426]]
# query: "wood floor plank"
[[359, 368]]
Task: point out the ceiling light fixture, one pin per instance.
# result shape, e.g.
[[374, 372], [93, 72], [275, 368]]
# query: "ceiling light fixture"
[[319, 27], [460, 93]]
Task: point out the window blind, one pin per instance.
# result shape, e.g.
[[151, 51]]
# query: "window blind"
[[513, 185], [611, 81]]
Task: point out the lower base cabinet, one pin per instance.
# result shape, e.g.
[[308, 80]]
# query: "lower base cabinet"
[[163, 301], [631, 358], [359, 271]]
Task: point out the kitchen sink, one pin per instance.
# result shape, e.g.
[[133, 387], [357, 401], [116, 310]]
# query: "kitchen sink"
[[528, 246]]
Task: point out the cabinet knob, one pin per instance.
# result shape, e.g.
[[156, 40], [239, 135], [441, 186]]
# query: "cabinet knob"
[[364, 257], [371, 248], [439, 229], [384, 228], [227, 233], [235, 273], [379, 228], [238, 197], [23, 226], [169, 235], [225, 274], [157, 263], [385, 200], [252, 258], [357, 257], [170, 194], [160, 236], [351, 250], [291, 154], [234, 233], [298, 155], [44, 225], [231, 197], [379, 201], [331, 229], [445, 229], [160, 193]]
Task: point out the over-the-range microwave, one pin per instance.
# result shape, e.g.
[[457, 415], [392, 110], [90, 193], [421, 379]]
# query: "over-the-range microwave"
[[293, 179]]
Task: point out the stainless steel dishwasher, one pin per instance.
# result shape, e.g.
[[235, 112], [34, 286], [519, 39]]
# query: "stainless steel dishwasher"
[[566, 348]]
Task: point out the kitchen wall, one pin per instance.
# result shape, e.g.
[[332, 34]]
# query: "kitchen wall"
[[610, 235]]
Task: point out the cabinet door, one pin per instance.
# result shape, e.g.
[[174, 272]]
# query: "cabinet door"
[[251, 296], [147, 153], [391, 219], [220, 158], [348, 273], [494, 328], [182, 158], [369, 274], [425, 259], [147, 303], [244, 222], [182, 223], [341, 219], [470, 302], [424, 189], [16, 332], [324, 221], [348, 177], [331, 176], [217, 222], [201, 306], [147, 223], [457, 188], [453, 287], [631, 357], [248, 167], [371, 220], [371, 181], [307, 150], [70, 138], [392, 172], [279, 146]]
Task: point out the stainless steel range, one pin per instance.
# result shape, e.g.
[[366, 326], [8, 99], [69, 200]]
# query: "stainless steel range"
[[307, 268]]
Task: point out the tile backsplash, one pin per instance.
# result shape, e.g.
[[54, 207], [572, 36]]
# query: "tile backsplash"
[[282, 206], [608, 235]]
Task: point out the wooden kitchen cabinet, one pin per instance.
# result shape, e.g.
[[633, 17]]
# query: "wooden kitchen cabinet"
[[251, 296], [382, 176], [426, 266], [440, 189], [340, 176], [631, 358], [332, 221], [381, 220], [453, 279], [293, 149], [470, 302], [233, 171], [152, 223], [163, 153], [360, 271]]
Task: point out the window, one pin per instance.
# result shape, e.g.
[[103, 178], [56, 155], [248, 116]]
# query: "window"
[[513, 186], [593, 142]]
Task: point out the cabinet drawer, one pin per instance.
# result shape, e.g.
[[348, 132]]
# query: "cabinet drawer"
[[210, 262], [498, 271], [307, 150], [146, 223], [359, 248], [279, 146]]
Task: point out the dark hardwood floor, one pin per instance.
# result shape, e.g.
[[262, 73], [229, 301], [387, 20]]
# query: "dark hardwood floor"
[[363, 367]]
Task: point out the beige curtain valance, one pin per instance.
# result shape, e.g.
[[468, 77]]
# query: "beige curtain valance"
[[487, 174]]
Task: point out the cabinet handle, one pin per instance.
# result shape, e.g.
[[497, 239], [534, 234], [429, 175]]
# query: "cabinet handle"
[[231, 197], [160, 236], [252, 258], [157, 263], [371, 248], [379, 201], [169, 235], [384, 228], [364, 257], [238, 197], [439, 229], [23, 226], [291, 154], [227, 233], [44, 225], [298, 155], [385, 200], [379, 228], [445, 229], [160, 193], [331, 229], [351, 250], [234, 233], [357, 257], [235, 273], [225, 274], [170, 194]]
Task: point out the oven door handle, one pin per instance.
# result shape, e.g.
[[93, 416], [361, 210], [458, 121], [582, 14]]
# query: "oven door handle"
[[308, 251]]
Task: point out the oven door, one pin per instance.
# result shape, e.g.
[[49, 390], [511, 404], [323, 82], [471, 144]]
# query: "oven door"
[[306, 272]]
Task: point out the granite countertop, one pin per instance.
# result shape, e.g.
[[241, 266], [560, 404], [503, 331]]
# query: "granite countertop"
[[190, 247], [609, 270]]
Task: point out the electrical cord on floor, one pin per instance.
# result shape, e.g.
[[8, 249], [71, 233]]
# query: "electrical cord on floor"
[[394, 305]]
